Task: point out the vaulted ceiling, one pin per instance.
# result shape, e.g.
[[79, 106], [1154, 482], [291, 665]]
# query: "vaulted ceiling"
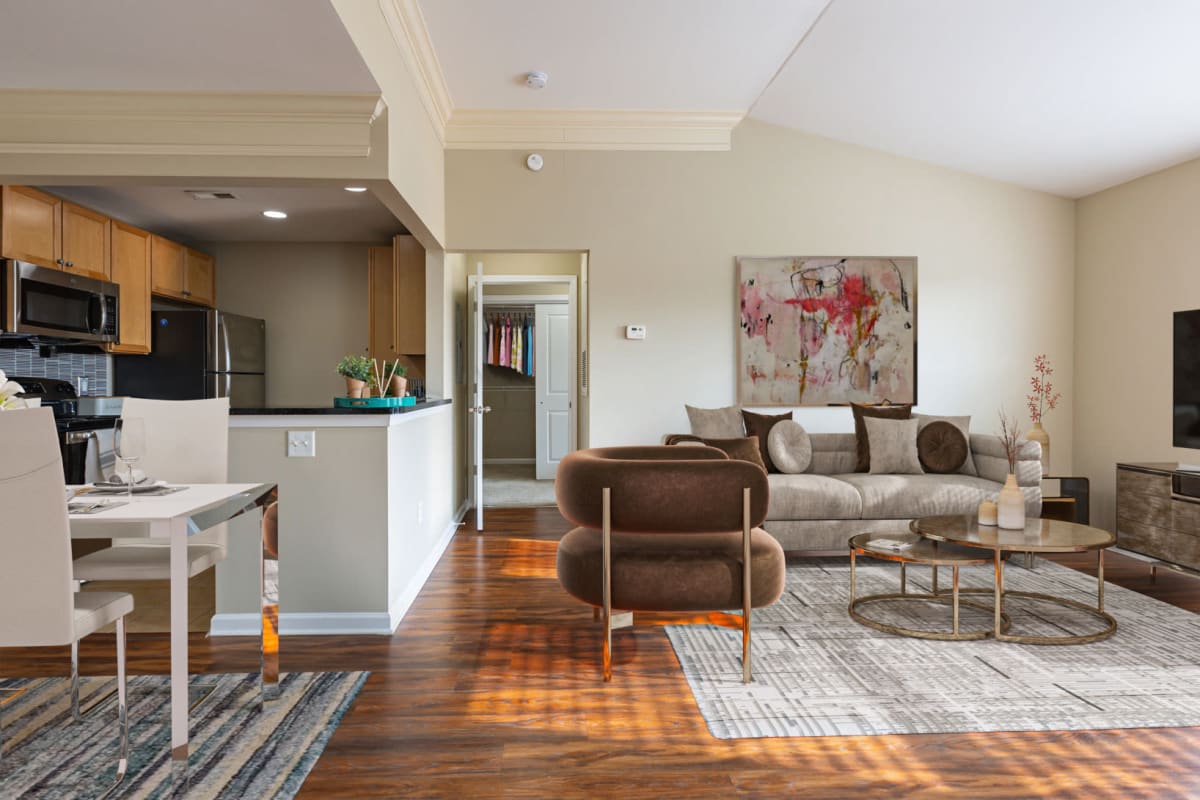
[[1069, 96], [1066, 96]]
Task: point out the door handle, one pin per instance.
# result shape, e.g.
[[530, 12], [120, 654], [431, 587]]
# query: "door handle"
[[480, 409]]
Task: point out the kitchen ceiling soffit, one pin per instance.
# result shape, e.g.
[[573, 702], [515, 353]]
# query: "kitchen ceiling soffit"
[[127, 123]]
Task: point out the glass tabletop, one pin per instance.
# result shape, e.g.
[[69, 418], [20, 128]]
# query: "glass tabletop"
[[915, 549], [1038, 536]]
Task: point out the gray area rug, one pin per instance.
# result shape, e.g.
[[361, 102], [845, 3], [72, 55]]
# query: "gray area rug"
[[819, 673], [515, 486], [239, 750]]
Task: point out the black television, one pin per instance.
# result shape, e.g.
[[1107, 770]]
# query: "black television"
[[1187, 379]]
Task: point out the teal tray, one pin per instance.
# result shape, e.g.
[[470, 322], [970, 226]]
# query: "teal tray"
[[373, 402]]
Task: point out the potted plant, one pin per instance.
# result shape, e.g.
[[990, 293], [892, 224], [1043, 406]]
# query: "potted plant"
[[357, 371], [397, 381]]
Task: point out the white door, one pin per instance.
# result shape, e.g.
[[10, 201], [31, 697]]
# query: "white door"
[[553, 384], [477, 409]]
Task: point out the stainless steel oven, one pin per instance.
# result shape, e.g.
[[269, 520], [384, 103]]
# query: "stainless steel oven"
[[43, 302]]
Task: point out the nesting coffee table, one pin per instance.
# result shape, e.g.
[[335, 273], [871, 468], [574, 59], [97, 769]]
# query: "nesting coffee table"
[[1038, 536], [916, 549]]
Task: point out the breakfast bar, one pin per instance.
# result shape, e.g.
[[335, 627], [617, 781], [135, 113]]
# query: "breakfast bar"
[[367, 511]]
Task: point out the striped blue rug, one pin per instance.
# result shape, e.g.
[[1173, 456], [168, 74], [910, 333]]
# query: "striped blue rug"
[[240, 749]]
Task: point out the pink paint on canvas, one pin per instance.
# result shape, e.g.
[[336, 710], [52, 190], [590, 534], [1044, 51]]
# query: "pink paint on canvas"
[[815, 331]]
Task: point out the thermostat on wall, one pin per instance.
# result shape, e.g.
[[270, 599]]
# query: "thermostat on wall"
[[635, 331]]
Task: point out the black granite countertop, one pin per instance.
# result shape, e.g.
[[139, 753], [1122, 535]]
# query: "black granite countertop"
[[268, 412]]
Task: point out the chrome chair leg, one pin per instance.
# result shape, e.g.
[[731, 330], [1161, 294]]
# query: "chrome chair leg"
[[75, 680], [122, 713]]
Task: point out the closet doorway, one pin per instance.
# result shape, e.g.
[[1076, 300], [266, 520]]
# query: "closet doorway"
[[527, 387]]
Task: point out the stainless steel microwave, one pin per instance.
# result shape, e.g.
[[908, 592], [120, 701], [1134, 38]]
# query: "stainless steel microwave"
[[49, 303]]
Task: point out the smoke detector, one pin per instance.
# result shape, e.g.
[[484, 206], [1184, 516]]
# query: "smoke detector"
[[536, 80]]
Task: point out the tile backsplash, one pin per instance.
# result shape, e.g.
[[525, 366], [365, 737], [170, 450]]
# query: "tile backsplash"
[[96, 367]]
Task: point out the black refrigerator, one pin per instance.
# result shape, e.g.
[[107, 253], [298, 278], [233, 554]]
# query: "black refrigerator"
[[199, 354]]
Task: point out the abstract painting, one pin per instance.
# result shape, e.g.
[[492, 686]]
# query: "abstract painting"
[[824, 331]]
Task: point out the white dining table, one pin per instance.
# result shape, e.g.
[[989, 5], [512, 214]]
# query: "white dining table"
[[175, 517]]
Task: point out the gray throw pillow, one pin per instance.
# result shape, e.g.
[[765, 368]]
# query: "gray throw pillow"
[[964, 425], [790, 447], [716, 423], [893, 446]]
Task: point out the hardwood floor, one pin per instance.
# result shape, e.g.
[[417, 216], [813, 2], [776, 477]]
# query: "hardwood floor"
[[490, 688]]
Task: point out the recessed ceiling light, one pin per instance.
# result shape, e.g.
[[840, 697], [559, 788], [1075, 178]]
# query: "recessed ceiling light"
[[275, 214], [356, 189]]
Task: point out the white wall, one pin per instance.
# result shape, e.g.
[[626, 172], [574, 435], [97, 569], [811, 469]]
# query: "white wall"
[[662, 229], [314, 299], [1137, 252], [361, 525]]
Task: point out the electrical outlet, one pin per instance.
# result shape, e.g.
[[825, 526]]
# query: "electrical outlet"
[[302, 444]]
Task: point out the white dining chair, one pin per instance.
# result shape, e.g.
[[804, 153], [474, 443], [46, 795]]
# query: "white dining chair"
[[187, 441], [37, 594]]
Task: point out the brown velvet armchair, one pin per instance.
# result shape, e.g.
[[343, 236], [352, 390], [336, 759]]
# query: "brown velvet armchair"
[[667, 529]]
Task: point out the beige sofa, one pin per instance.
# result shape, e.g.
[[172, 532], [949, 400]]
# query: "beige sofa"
[[820, 509]]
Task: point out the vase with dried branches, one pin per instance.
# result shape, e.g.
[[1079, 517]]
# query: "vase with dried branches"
[[1042, 398], [1011, 502]]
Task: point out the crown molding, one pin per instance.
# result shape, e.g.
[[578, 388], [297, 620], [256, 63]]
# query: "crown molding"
[[35, 122], [567, 129], [407, 26]]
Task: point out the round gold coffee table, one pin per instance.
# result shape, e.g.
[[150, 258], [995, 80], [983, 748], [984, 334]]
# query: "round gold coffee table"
[[1038, 536], [917, 550]]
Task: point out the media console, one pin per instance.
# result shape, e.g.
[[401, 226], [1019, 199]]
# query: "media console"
[[1158, 513]]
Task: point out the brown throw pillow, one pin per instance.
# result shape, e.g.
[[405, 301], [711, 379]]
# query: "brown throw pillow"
[[760, 425], [862, 461], [942, 447], [740, 449]]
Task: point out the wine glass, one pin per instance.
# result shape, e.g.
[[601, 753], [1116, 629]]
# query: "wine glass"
[[129, 445]]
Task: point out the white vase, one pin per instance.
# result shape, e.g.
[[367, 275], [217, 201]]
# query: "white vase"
[[1011, 511], [1038, 434]]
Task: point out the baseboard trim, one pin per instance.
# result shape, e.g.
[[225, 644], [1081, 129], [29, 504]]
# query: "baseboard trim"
[[409, 595], [371, 623], [487, 461], [305, 624]]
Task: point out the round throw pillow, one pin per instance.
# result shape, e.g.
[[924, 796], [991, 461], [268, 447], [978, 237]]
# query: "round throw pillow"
[[789, 446], [941, 447]]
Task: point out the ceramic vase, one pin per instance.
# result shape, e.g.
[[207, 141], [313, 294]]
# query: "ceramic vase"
[[355, 388], [1010, 511], [1038, 434], [398, 386]]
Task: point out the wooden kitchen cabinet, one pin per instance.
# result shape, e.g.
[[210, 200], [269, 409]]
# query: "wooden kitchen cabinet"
[[86, 246], [30, 226], [380, 294], [199, 277], [182, 273], [408, 257], [166, 267], [131, 271]]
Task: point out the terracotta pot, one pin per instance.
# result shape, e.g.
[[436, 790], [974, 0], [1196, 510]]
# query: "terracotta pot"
[[1038, 434], [398, 386], [1010, 513], [355, 388]]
